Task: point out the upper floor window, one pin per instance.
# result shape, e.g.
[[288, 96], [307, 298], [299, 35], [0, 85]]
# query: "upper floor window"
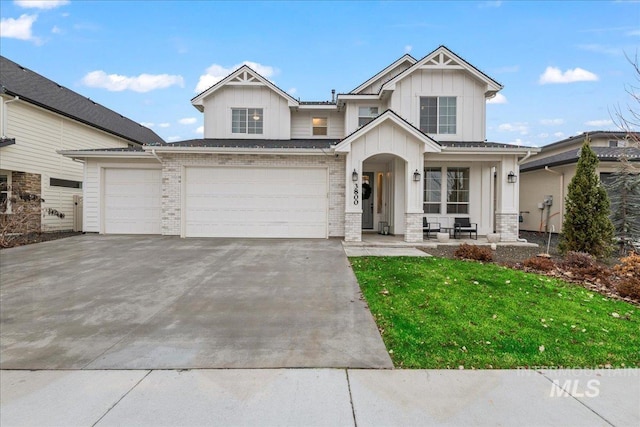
[[247, 120], [366, 114], [319, 125], [438, 114]]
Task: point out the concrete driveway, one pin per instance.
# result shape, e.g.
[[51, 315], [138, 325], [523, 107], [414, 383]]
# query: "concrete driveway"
[[135, 302]]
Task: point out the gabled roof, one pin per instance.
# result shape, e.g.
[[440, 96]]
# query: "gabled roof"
[[33, 88], [605, 154], [387, 116], [244, 75], [596, 134], [404, 58], [443, 58]]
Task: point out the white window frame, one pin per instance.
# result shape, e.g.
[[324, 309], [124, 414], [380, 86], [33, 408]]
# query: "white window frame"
[[317, 126], [443, 125], [459, 201], [428, 189], [249, 113], [7, 174], [368, 117]]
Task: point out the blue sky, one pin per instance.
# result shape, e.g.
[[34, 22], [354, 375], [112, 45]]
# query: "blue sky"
[[562, 64]]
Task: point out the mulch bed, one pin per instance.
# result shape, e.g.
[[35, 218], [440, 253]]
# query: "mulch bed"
[[27, 239]]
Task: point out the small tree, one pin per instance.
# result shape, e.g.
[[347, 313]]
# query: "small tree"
[[624, 194], [587, 227], [21, 214]]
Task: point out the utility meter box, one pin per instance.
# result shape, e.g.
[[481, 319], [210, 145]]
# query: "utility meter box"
[[548, 200]]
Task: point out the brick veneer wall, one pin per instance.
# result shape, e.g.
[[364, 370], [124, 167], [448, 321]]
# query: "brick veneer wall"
[[353, 227], [29, 183], [507, 226], [172, 185]]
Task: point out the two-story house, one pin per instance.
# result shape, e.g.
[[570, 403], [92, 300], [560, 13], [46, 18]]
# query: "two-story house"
[[407, 143], [38, 117]]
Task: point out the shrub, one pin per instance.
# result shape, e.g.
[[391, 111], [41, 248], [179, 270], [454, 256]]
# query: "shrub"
[[578, 260], [473, 252], [629, 271], [539, 264], [583, 266]]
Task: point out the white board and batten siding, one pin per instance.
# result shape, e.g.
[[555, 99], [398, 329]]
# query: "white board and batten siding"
[[218, 105], [39, 134], [123, 197], [301, 126], [254, 202]]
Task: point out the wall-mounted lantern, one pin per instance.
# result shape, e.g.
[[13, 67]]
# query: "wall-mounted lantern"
[[416, 176], [512, 178], [354, 176]]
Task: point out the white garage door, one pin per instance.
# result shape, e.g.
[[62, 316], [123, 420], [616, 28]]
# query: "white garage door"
[[256, 202], [132, 201]]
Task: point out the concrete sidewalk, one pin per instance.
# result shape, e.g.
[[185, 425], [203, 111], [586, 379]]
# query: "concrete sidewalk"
[[324, 397]]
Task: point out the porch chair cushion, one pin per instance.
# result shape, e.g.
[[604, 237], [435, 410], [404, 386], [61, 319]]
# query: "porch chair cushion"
[[429, 227], [464, 225]]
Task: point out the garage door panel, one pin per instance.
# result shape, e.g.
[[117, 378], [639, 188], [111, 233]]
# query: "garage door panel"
[[132, 201], [256, 202]]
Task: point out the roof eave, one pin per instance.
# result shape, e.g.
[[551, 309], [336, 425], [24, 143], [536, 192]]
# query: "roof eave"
[[86, 154], [237, 150]]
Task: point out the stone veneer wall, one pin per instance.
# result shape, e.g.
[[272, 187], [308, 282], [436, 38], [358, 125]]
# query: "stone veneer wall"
[[507, 226], [28, 183], [172, 182], [353, 227], [413, 227]]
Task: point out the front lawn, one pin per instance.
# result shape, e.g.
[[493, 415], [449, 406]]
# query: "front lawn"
[[443, 313]]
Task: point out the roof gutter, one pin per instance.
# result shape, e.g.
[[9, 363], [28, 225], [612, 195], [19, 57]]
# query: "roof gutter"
[[521, 161], [240, 150], [5, 114], [156, 156]]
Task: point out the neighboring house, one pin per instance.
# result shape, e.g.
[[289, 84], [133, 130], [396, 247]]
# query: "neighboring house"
[[407, 143], [544, 180], [39, 117]]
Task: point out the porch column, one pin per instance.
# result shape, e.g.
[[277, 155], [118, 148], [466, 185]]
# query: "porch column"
[[414, 211], [507, 199], [353, 200]]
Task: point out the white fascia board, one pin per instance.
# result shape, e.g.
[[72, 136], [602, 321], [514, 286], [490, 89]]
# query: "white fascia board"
[[240, 150], [80, 154], [332, 107], [405, 58], [356, 97], [490, 150]]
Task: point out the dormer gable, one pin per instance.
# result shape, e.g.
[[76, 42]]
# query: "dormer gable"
[[444, 59], [243, 76], [373, 84]]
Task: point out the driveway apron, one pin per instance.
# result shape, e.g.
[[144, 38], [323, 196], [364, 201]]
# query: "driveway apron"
[[158, 302]]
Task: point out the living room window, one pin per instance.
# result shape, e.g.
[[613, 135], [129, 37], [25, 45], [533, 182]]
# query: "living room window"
[[319, 126], [432, 190], [366, 114], [457, 190], [247, 120], [5, 192], [438, 115]]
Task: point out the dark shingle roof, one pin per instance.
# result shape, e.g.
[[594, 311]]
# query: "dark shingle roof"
[[479, 144], [611, 154], [252, 143], [38, 90]]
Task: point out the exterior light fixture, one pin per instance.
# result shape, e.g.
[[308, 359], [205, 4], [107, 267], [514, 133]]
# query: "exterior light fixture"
[[512, 178], [416, 176], [354, 176]]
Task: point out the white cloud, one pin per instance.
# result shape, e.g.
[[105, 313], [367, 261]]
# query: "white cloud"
[[552, 122], [633, 33], [40, 4], [141, 83], [522, 128], [498, 99], [598, 48], [485, 4], [164, 125], [543, 135], [56, 30], [559, 134], [199, 130], [599, 123], [19, 28], [148, 124], [174, 138], [216, 72], [408, 48], [187, 121], [292, 91], [555, 75]]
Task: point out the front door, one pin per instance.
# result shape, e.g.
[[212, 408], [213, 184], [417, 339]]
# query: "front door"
[[367, 200]]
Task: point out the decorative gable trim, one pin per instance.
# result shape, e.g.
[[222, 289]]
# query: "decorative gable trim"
[[404, 58], [243, 76], [430, 145], [444, 59]]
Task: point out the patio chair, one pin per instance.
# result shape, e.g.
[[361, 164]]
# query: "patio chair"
[[463, 225], [430, 227]]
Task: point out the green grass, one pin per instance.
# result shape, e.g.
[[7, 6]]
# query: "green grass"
[[443, 313]]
